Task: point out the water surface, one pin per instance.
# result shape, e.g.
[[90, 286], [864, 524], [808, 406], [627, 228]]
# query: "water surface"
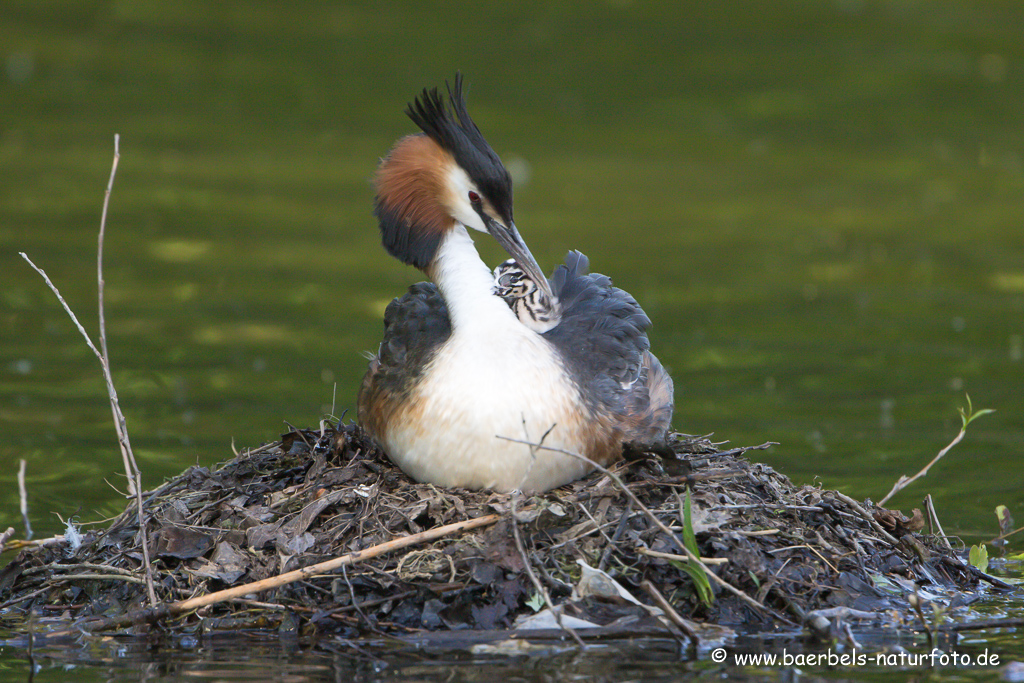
[[818, 203]]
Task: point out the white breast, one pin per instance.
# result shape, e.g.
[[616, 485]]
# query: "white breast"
[[476, 391], [494, 377]]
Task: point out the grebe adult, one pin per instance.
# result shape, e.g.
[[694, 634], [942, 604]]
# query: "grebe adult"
[[458, 368]]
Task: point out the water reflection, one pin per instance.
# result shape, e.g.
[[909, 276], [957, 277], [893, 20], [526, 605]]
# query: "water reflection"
[[248, 657]]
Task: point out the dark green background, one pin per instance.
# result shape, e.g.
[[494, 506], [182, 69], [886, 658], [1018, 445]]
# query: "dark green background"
[[819, 204]]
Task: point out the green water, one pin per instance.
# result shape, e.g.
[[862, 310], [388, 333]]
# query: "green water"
[[820, 205]]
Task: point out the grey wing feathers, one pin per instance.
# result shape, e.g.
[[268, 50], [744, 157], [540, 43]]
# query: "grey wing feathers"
[[651, 409], [603, 329], [603, 337], [414, 326]]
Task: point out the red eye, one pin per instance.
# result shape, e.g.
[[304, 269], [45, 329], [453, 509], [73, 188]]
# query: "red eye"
[[474, 198]]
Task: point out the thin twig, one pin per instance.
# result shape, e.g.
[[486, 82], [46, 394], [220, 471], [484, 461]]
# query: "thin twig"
[[933, 518], [679, 558], [867, 517], [26, 597], [259, 605], [620, 528], [768, 506], [582, 534], [131, 467], [50, 568], [98, 577], [1002, 537], [600, 528], [650, 515], [906, 481], [915, 600], [956, 563], [23, 494], [67, 309], [370, 603], [355, 600], [533, 577], [809, 547], [743, 449], [983, 624], [670, 612], [967, 415], [31, 648], [119, 423]]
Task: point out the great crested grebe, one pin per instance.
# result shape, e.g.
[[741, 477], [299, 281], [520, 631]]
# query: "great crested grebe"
[[476, 356]]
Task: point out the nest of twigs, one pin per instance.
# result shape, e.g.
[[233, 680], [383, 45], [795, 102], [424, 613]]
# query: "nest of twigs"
[[773, 552]]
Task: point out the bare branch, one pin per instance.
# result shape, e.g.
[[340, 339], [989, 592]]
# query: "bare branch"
[[23, 496], [235, 592], [967, 415], [131, 468], [67, 309]]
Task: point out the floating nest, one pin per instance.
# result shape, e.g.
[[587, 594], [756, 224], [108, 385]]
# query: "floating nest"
[[607, 553]]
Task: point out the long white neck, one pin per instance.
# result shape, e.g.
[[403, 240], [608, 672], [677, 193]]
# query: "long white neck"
[[467, 284]]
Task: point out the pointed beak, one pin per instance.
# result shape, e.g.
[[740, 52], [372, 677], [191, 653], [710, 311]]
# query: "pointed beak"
[[510, 241]]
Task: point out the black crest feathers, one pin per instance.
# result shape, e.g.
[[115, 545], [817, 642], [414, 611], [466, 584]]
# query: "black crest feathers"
[[451, 127], [412, 195]]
